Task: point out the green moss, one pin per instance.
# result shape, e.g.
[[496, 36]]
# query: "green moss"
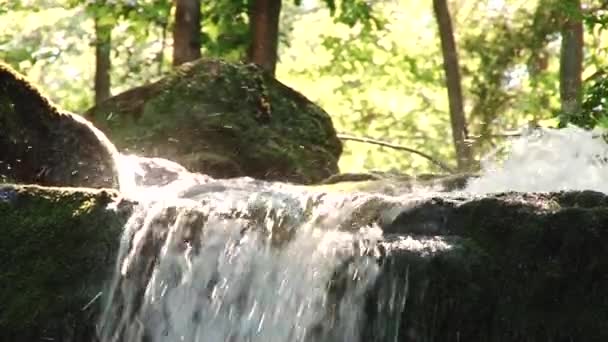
[[225, 109], [57, 245]]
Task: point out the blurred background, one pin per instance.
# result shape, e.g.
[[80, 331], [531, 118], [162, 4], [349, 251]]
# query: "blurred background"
[[381, 68]]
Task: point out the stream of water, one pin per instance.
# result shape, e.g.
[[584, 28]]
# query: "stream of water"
[[204, 260]]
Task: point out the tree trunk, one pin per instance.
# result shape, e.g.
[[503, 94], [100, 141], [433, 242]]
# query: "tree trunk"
[[187, 31], [571, 61], [264, 30], [452, 77], [103, 63]]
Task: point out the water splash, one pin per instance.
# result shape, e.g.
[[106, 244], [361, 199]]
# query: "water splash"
[[145, 179], [547, 160]]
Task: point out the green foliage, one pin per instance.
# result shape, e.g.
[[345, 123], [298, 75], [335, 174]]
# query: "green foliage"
[[595, 103], [226, 23], [225, 28], [507, 65], [52, 42], [388, 83], [375, 83], [594, 111], [8, 5], [593, 19], [352, 12]]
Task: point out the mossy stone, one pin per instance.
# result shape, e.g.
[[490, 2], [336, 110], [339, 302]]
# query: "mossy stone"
[[226, 120], [539, 268]]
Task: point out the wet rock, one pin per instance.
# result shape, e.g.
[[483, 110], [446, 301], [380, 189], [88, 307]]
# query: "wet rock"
[[428, 290], [426, 217], [225, 120], [41, 144], [517, 267]]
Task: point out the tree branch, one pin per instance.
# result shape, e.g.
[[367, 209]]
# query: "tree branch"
[[366, 140]]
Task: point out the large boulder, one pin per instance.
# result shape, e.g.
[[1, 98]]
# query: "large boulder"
[[41, 144], [225, 120]]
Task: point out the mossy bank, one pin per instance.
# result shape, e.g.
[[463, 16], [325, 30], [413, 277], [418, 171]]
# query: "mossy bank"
[[58, 246]]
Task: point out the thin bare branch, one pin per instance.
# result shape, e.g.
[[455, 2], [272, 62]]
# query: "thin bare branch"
[[367, 140]]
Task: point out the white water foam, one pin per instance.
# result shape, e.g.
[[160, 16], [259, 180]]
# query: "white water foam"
[[548, 160]]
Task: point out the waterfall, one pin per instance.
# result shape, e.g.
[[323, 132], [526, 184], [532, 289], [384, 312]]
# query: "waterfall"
[[205, 260], [237, 260]]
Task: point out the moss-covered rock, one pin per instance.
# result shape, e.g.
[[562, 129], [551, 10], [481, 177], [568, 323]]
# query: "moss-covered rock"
[[513, 267], [58, 246], [225, 120], [41, 144]]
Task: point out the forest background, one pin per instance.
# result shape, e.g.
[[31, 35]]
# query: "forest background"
[[451, 79]]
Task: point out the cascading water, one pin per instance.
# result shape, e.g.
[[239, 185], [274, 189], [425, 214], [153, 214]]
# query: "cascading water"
[[245, 260], [239, 260]]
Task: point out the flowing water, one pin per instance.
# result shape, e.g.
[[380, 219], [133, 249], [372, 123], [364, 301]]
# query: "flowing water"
[[204, 260], [238, 260]]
